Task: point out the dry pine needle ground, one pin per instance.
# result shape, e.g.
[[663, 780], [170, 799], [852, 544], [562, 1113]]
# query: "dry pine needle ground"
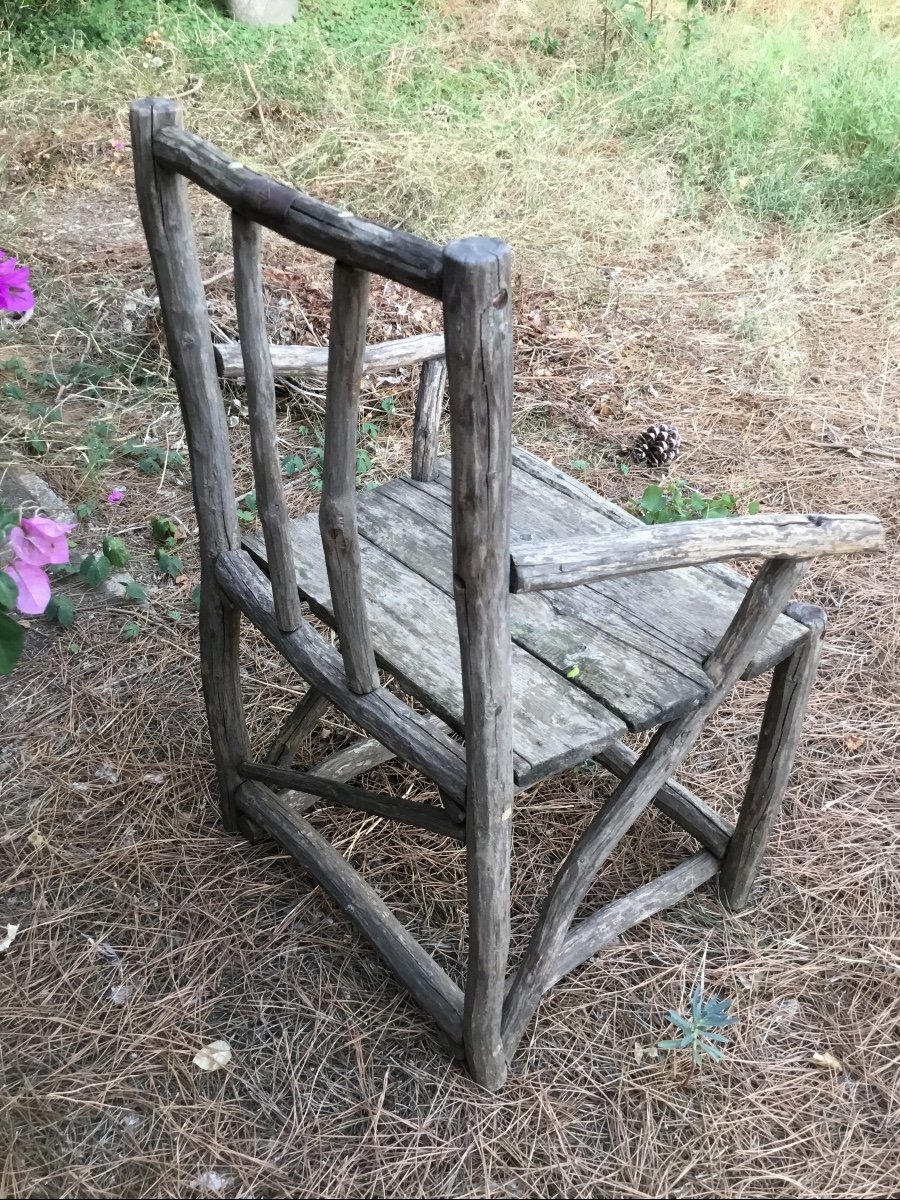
[[146, 933]]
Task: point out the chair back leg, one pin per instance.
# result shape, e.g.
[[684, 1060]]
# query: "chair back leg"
[[162, 197]]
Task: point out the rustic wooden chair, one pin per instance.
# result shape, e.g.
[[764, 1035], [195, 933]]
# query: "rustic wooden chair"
[[658, 631]]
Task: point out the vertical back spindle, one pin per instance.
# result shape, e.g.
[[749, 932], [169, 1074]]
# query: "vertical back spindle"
[[248, 288], [337, 513], [427, 422]]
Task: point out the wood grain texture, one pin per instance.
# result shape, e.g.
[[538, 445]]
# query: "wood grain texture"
[[421, 816], [571, 561], [337, 511], [251, 315], [632, 666], [599, 929], [296, 728], [408, 734], [429, 985], [162, 200], [479, 340], [313, 360], [416, 638], [359, 243], [779, 738], [761, 603], [341, 766], [427, 420], [698, 602], [679, 804]]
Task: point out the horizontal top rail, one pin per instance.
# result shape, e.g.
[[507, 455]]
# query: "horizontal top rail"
[[536, 566], [393, 253], [313, 360]]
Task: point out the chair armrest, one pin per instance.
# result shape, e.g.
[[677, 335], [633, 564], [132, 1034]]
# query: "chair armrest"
[[538, 566]]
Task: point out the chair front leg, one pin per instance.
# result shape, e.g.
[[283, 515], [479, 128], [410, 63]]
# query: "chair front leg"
[[779, 737]]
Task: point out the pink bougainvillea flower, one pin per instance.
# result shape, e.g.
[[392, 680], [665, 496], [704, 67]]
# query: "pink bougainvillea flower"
[[116, 496], [33, 585], [15, 294], [38, 541], [118, 146]]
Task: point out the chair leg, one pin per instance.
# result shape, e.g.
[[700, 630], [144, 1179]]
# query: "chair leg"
[[220, 672], [780, 734]]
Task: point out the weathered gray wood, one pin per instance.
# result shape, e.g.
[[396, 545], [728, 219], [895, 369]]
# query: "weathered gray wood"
[[478, 331], [296, 728], [251, 315], [427, 422], [679, 804], [599, 929], [162, 200], [570, 501], [430, 986], [415, 634], [764, 599], [567, 562], [341, 766], [313, 360], [359, 243], [422, 816], [408, 734], [337, 512], [690, 606], [779, 737], [638, 671]]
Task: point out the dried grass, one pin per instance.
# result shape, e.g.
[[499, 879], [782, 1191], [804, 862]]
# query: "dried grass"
[[337, 1086]]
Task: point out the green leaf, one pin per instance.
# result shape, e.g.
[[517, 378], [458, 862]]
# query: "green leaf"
[[130, 631], [363, 462], [12, 639], [653, 499], [134, 591], [116, 551], [247, 518], [249, 502], [8, 591], [173, 614], [95, 568], [195, 597], [37, 445], [673, 1044], [83, 511], [714, 1054], [573, 673], [682, 1022], [163, 528], [369, 429], [60, 609], [13, 391], [389, 405], [169, 564], [579, 464], [74, 648], [753, 507], [292, 465]]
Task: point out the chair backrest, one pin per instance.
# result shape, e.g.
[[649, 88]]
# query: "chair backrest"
[[471, 277]]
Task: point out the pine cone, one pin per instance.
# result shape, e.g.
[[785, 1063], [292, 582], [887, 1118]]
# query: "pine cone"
[[656, 446]]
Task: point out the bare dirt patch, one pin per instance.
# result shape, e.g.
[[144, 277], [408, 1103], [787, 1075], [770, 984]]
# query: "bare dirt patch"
[[146, 933]]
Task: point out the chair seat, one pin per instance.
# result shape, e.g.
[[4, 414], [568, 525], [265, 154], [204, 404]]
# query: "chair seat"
[[589, 663]]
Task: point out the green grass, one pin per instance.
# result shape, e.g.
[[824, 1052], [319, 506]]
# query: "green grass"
[[779, 119], [391, 107]]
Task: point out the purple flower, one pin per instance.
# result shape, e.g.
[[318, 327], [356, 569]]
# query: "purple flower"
[[34, 587], [118, 146], [15, 294], [37, 541], [116, 496]]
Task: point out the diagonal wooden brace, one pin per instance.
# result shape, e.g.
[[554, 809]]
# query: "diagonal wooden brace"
[[763, 601]]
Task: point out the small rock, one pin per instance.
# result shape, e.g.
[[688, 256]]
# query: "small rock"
[[21, 488]]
